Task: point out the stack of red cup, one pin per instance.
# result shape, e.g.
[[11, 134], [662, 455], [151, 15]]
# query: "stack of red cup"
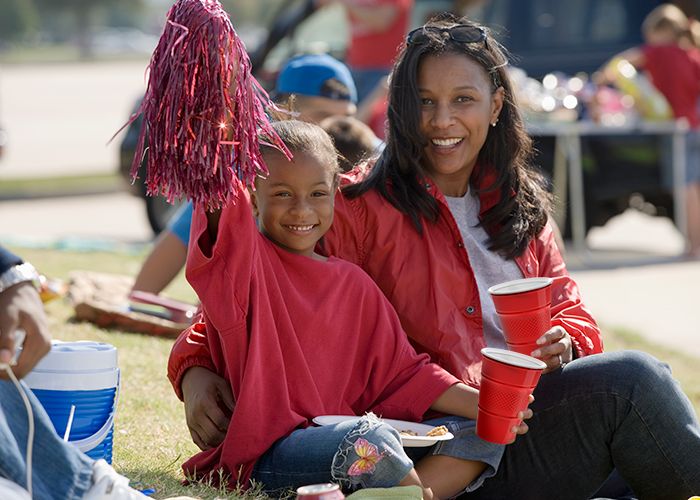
[[507, 381], [523, 306]]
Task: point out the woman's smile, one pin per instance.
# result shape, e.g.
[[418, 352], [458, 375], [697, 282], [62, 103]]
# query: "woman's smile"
[[458, 105]]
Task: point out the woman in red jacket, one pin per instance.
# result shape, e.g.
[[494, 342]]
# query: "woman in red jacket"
[[453, 206]]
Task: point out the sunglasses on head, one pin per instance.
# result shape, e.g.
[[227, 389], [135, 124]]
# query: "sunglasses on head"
[[461, 33]]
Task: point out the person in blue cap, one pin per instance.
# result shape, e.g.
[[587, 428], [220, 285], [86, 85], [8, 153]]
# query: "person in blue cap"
[[319, 86]]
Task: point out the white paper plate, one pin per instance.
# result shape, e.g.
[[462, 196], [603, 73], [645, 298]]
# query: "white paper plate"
[[399, 425]]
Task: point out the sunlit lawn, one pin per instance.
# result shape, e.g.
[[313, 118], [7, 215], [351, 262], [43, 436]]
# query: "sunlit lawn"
[[151, 439]]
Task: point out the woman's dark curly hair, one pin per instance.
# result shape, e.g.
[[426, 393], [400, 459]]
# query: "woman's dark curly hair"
[[398, 174]]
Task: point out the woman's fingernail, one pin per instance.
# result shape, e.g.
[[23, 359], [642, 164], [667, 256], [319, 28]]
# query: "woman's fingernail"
[[536, 353], [540, 341]]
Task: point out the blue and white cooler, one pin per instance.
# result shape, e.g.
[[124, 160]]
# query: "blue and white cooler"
[[78, 385]]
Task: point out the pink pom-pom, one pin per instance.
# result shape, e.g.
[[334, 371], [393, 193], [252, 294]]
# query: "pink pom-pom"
[[203, 111]]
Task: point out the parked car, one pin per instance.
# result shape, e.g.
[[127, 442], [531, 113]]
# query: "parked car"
[[158, 210]]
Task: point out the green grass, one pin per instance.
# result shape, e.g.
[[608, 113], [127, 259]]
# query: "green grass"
[[48, 186], [151, 439]]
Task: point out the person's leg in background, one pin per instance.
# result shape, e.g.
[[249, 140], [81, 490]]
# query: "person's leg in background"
[[692, 204], [618, 410], [692, 194], [59, 471]]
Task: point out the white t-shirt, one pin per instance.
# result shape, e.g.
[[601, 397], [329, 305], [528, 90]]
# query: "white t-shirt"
[[489, 267]]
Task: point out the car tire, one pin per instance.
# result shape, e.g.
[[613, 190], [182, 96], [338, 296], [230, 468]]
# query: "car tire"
[[159, 212]]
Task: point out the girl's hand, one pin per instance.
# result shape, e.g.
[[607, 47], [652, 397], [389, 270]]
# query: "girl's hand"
[[555, 348], [524, 415], [208, 406]]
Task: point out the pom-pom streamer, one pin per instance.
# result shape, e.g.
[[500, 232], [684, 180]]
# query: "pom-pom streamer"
[[203, 110]]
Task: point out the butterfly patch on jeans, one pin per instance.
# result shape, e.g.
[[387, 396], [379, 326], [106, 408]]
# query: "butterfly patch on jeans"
[[368, 455]]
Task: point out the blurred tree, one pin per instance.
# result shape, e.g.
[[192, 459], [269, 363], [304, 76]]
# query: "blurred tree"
[[84, 12], [18, 18]]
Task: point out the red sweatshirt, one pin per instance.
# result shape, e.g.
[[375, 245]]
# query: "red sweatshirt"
[[296, 338]]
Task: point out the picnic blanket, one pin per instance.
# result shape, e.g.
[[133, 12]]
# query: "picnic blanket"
[[102, 299]]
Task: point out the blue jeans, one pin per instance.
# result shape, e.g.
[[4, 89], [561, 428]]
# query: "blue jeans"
[[618, 410], [355, 454], [59, 470], [465, 445]]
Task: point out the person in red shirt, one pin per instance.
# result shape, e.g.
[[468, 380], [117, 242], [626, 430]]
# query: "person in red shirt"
[[377, 29], [672, 62], [452, 206]]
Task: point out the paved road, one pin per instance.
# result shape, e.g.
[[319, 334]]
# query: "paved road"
[[631, 278], [59, 117]]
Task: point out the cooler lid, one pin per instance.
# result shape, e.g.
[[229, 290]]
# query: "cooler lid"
[[82, 356]]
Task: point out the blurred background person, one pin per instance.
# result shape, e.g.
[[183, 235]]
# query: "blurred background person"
[[377, 29], [168, 255], [316, 86], [671, 60], [353, 139]]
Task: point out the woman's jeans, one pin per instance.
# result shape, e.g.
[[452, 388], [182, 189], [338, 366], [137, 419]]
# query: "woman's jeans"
[[59, 470], [619, 410], [356, 454]]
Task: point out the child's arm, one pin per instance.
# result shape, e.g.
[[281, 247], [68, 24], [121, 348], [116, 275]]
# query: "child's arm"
[[448, 476], [462, 400], [608, 74], [459, 399], [213, 224]]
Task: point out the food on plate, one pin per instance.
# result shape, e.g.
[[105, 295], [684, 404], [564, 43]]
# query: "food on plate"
[[440, 430], [408, 432]]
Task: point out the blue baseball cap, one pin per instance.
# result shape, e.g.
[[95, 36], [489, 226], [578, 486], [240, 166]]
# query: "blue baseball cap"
[[317, 75]]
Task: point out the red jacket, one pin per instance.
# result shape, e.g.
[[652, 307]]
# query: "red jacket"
[[429, 280], [430, 283]]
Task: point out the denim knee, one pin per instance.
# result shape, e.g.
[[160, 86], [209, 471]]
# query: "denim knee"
[[639, 370], [370, 456]]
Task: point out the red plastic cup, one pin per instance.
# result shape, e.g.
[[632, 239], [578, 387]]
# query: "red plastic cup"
[[495, 428], [507, 380], [525, 349], [501, 399], [511, 368], [523, 307]]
